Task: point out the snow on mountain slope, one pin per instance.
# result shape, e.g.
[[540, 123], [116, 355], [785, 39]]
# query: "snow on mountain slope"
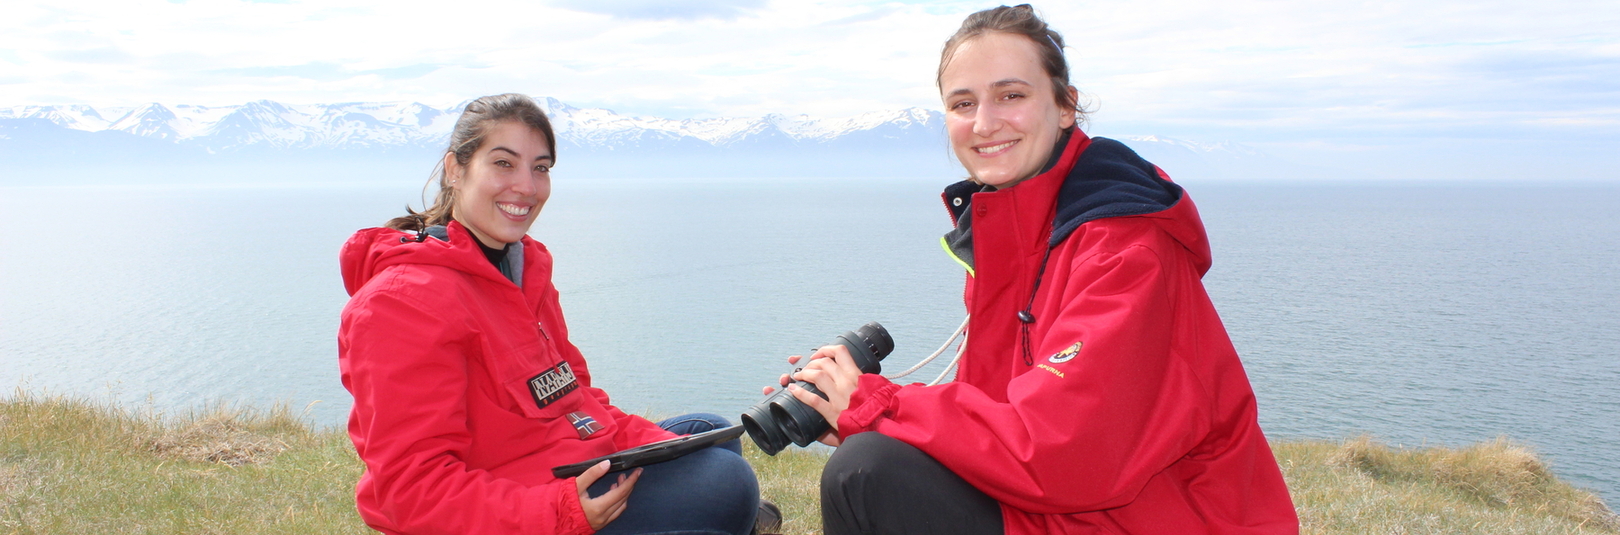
[[372, 125], [882, 142], [76, 117]]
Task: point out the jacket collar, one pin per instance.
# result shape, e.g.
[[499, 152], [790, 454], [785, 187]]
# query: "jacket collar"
[[1031, 198], [511, 262], [959, 196], [1089, 179]]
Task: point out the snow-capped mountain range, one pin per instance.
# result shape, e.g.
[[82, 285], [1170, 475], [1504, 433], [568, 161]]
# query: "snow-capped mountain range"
[[365, 125], [899, 142]]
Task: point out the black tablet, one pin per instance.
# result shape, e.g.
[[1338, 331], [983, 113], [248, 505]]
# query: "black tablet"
[[656, 452]]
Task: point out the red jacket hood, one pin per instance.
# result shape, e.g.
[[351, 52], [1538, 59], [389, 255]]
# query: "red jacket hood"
[[369, 251]]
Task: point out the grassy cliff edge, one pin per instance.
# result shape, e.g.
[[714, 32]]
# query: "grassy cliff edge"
[[72, 466]]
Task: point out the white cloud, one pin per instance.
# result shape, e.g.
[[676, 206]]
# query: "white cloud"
[[1265, 70], [1373, 64], [664, 10]]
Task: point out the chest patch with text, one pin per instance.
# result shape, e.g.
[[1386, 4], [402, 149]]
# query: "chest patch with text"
[[553, 384]]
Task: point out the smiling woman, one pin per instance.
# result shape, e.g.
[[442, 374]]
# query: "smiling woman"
[[466, 389], [1097, 389]]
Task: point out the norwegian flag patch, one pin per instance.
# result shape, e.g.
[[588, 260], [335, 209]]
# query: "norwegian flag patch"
[[584, 424]]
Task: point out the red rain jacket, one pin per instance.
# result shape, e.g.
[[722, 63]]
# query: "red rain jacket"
[[1132, 413], [463, 384]]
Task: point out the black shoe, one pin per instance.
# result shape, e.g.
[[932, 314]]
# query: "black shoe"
[[769, 519]]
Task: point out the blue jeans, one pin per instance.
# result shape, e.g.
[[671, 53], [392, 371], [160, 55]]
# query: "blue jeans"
[[711, 491]]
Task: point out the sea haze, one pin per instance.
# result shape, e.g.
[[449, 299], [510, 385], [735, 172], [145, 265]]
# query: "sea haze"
[[1422, 313]]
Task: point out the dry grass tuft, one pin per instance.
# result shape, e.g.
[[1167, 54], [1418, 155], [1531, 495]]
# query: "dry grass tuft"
[[1499, 474], [225, 436], [73, 466]]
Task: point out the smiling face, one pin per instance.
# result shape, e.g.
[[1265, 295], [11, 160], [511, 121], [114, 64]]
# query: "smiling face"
[[1001, 113], [502, 187]]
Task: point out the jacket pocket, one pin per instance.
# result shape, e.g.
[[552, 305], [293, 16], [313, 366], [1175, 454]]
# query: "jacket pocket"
[[545, 388]]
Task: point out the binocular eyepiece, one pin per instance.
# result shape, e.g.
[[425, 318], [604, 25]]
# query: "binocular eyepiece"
[[781, 418]]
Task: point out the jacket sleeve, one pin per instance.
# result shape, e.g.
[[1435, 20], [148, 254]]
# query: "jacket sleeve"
[[1076, 435], [406, 365]]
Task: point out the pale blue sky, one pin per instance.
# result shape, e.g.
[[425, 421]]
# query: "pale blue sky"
[[1434, 85]]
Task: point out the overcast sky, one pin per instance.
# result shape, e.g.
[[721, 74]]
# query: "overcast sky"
[[1329, 76]]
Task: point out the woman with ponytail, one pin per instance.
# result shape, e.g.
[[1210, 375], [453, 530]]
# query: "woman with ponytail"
[[466, 389]]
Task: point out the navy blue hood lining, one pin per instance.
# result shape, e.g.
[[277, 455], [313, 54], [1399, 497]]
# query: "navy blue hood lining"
[[960, 239], [1109, 180]]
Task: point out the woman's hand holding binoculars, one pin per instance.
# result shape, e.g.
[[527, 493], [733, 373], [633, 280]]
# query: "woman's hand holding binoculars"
[[833, 371]]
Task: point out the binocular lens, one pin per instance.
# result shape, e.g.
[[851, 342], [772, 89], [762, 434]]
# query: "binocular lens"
[[770, 439], [796, 413]]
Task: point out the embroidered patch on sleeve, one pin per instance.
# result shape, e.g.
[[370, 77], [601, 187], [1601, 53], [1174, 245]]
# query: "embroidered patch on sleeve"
[[584, 424], [1065, 355], [552, 384]]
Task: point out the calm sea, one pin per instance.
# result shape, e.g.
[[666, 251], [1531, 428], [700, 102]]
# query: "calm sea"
[[1430, 313]]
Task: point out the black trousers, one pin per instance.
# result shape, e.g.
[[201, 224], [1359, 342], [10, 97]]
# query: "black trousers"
[[874, 484]]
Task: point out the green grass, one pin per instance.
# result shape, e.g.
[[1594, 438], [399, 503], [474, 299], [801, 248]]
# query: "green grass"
[[792, 480], [71, 466]]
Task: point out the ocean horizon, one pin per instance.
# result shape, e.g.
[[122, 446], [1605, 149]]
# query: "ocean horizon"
[[1417, 312]]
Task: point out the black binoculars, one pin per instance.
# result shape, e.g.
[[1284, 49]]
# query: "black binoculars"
[[781, 418]]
